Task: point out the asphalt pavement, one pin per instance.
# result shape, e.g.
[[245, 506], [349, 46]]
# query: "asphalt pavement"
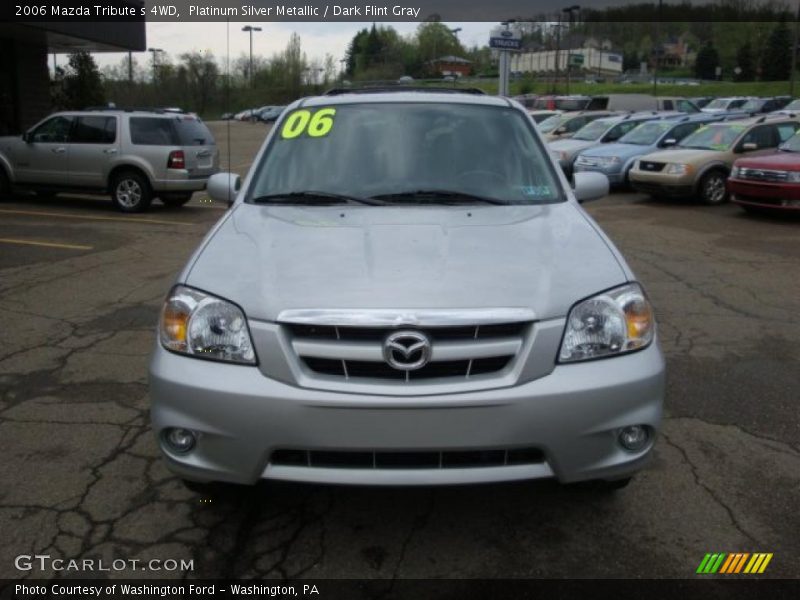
[[80, 290]]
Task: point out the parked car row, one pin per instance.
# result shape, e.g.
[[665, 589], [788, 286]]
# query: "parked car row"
[[715, 155], [263, 114]]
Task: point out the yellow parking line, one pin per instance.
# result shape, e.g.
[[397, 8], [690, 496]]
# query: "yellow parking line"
[[91, 217], [45, 244]]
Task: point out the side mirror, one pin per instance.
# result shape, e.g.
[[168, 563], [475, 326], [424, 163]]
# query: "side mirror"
[[749, 147], [590, 185], [223, 187], [27, 137], [669, 142], [560, 131]]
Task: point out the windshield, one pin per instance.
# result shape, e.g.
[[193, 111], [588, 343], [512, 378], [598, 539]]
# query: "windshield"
[[426, 153], [713, 137], [193, 132], [752, 105], [793, 105], [646, 134], [718, 103], [593, 131], [551, 123], [792, 144]]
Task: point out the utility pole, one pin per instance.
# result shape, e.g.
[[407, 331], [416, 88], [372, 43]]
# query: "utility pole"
[[792, 75], [250, 29]]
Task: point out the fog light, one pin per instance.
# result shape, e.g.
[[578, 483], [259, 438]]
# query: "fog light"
[[634, 438], [179, 440]]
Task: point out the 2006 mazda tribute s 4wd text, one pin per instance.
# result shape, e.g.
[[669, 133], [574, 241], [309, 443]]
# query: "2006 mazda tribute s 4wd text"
[[406, 291]]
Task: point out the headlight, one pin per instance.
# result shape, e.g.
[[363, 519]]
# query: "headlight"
[[793, 176], [677, 169], [199, 324], [608, 324], [636, 166], [735, 172]]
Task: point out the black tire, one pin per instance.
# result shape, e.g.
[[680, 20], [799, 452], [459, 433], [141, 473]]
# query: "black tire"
[[712, 189], [130, 192], [5, 185], [175, 200]]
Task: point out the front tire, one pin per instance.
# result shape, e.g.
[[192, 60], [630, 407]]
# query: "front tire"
[[712, 188], [5, 185], [131, 192]]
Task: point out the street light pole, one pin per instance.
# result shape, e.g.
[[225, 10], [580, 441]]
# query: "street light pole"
[[657, 48], [558, 53], [250, 29]]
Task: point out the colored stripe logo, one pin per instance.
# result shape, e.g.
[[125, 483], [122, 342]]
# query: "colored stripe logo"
[[734, 563]]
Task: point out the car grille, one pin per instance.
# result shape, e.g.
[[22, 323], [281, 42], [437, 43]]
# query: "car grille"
[[370, 459], [356, 353], [650, 166], [762, 175]]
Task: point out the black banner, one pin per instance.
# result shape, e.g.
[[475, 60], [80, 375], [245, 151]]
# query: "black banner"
[[703, 588]]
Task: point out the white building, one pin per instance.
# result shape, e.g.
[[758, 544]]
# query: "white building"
[[595, 60]]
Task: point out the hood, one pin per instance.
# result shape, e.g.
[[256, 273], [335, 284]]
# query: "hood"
[[616, 149], [784, 161], [683, 155], [571, 146], [270, 259]]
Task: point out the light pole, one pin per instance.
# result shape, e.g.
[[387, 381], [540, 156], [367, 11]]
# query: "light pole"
[[570, 10], [250, 29], [657, 48], [558, 53], [455, 32], [155, 52]]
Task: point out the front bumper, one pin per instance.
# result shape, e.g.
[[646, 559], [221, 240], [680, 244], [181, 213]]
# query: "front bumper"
[[615, 178], [778, 196], [573, 415]]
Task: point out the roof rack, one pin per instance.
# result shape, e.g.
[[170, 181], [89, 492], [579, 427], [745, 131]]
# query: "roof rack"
[[777, 116], [404, 88], [149, 109]]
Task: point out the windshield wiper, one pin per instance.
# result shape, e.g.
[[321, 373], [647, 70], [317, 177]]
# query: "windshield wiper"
[[312, 197], [449, 196]]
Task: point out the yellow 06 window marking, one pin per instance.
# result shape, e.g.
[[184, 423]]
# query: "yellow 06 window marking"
[[315, 125]]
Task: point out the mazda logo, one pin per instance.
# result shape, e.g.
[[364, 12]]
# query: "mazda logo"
[[407, 350]]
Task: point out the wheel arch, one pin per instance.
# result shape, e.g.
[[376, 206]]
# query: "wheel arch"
[[123, 168], [715, 166]]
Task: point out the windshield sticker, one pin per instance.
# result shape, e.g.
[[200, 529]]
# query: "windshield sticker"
[[315, 125], [536, 191]]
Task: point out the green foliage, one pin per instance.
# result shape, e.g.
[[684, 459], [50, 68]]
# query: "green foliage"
[[79, 85], [707, 61], [777, 59]]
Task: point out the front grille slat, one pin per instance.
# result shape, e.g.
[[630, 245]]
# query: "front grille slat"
[[651, 166], [356, 353], [391, 459], [753, 174]]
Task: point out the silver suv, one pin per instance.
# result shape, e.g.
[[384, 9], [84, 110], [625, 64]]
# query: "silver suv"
[[406, 291], [135, 156]]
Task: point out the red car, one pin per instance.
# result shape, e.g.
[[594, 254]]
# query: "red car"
[[768, 182]]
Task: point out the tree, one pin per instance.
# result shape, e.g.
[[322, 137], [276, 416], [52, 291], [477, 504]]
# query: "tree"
[[777, 59], [745, 60], [200, 73], [81, 85], [706, 63]]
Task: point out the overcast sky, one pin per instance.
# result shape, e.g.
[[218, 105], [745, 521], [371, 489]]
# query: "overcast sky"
[[317, 38]]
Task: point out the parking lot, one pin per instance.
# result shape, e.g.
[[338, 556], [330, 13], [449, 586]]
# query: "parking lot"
[[80, 290]]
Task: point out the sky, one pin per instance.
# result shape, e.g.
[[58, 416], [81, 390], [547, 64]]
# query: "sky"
[[317, 38]]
